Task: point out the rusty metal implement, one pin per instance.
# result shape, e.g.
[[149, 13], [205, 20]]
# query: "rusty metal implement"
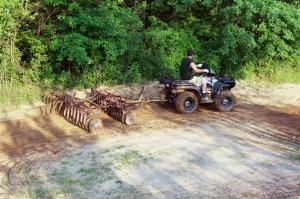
[[73, 110], [113, 105], [84, 112]]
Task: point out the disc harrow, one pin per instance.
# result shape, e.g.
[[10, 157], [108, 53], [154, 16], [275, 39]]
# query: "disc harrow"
[[83, 112], [74, 110], [113, 105]]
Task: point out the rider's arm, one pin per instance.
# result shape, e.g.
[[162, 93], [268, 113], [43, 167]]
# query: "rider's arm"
[[198, 70]]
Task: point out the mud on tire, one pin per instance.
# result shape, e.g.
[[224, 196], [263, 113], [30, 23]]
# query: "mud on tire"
[[186, 102], [225, 101]]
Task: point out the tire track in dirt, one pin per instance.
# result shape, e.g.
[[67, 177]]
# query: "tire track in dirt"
[[30, 141], [262, 134], [262, 129]]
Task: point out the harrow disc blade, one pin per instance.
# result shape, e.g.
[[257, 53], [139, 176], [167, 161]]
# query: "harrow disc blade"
[[128, 118], [94, 124], [124, 117], [73, 110], [53, 103]]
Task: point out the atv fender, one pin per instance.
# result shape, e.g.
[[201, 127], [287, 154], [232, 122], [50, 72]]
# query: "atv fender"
[[177, 91], [218, 87]]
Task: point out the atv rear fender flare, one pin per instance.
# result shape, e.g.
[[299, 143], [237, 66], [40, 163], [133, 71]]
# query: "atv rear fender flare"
[[190, 88], [181, 90]]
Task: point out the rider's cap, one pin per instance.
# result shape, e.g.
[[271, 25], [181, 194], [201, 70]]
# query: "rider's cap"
[[189, 52]]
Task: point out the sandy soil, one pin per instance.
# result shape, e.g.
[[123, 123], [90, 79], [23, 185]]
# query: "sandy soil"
[[251, 152]]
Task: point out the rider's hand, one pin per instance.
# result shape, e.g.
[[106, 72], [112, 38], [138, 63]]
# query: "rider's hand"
[[205, 70]]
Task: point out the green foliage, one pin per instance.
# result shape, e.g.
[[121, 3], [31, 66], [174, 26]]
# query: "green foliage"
[[250, 31], [166, 49], [90, 35], [273, 71], [11, 14], [36, 51], [86, 42]]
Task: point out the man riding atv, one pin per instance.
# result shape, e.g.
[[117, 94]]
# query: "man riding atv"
[[191, 91], [186, 73]]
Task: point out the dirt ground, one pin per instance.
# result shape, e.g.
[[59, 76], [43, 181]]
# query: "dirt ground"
[[250, 152]]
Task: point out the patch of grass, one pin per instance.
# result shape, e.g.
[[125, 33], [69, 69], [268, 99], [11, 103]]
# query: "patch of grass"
[[13, 95], [88, 170], [119, 147], [95, 175], [93, 156], [275, 73], [67, 181], [64, 162], [39, 189], [79, 154], [130, 157], [285, 76], [105, 151], [34, 178], [290, 77], [295, 157], [70, 190], [40, 192], [27, 195], [57, 173]]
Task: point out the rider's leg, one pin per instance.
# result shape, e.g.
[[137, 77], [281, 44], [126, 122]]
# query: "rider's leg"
[[204, 84], [200, 82], [196, 81]]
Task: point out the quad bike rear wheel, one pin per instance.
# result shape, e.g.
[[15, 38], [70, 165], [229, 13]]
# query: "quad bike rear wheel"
[[225, 101], [186, 102]]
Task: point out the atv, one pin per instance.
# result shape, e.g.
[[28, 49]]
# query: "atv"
[[187, 96]]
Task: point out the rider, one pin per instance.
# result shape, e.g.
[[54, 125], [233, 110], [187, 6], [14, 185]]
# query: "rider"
[[186, 73]]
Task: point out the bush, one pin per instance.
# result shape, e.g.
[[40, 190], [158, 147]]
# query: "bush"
[[167, 47], [86, 42]]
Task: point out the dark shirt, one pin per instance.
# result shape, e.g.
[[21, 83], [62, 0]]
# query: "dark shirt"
[[186, 72]]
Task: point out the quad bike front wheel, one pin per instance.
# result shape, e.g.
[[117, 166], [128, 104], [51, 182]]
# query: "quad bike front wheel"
[[186, 102], [225, 101]]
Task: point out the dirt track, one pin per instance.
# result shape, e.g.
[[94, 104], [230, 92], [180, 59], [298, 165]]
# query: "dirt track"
[[251, 152]]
